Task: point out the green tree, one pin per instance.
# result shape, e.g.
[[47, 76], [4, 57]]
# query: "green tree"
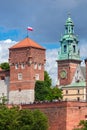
[[3, 100], [5, 66], [82, 125], [16, 119], [54, 94], [47, 79], [43, 90], [40, 121]]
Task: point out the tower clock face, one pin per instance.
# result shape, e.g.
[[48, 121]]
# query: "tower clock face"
[[63, 74]]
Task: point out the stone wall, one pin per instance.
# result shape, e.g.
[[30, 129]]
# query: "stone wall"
[[4, 88]]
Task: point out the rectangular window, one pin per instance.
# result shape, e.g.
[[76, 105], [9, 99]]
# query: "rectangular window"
[[78, 98], [78, 91], [66, 91], [19, 76], [36, 76]]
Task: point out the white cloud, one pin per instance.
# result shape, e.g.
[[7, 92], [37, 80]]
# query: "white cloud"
[[51, 64], [4, 51]]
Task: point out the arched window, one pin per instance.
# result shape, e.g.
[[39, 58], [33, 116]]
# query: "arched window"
[[66, 30], [65, 48], [74, 48]]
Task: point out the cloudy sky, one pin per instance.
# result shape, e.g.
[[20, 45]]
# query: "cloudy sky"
[[47, 17]]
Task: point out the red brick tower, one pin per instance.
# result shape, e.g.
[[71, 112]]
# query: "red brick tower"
[[69, 56], [26, 60]]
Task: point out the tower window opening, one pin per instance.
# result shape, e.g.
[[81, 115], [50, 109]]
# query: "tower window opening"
[[36, 76], [39, 66], [78, 98], [78, 91], [16, 66], [65, 48], [74, 49], [66, 30], [35, 65], [72, 29], [66, 91], [19, 76]]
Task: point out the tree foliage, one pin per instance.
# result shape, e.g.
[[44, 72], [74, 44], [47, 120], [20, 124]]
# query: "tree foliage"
[[47, 79], [15, 119], [82, 125], [44, 91], [5, 66], [41, 91], [54, 94]]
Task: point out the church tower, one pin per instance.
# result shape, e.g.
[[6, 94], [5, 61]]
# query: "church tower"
[[27, 59], [69, 55]]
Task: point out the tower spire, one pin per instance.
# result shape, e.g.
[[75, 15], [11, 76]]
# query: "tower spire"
[[69, 42]]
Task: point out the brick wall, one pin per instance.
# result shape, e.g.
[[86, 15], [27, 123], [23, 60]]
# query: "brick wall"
[[4, 73], [61, 115], [70, 67], [56, 113], [76, 111]]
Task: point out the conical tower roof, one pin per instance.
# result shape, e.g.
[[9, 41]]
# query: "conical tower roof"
[[27, 42]]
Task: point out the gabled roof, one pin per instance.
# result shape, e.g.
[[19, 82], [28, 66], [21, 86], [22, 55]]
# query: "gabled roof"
[[27, 42]]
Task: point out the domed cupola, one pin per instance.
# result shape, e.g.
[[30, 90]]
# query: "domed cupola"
[[69, 42]]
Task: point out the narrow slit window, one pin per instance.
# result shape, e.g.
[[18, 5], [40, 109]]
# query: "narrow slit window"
[[74, 49], [65, 48]]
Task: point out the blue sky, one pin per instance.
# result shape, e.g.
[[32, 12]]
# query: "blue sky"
[[47, 17]]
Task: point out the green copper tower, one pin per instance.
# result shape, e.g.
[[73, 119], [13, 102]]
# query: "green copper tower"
[[69, 43]]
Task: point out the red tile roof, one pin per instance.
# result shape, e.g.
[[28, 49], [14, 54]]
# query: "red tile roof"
[[27, 42]]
